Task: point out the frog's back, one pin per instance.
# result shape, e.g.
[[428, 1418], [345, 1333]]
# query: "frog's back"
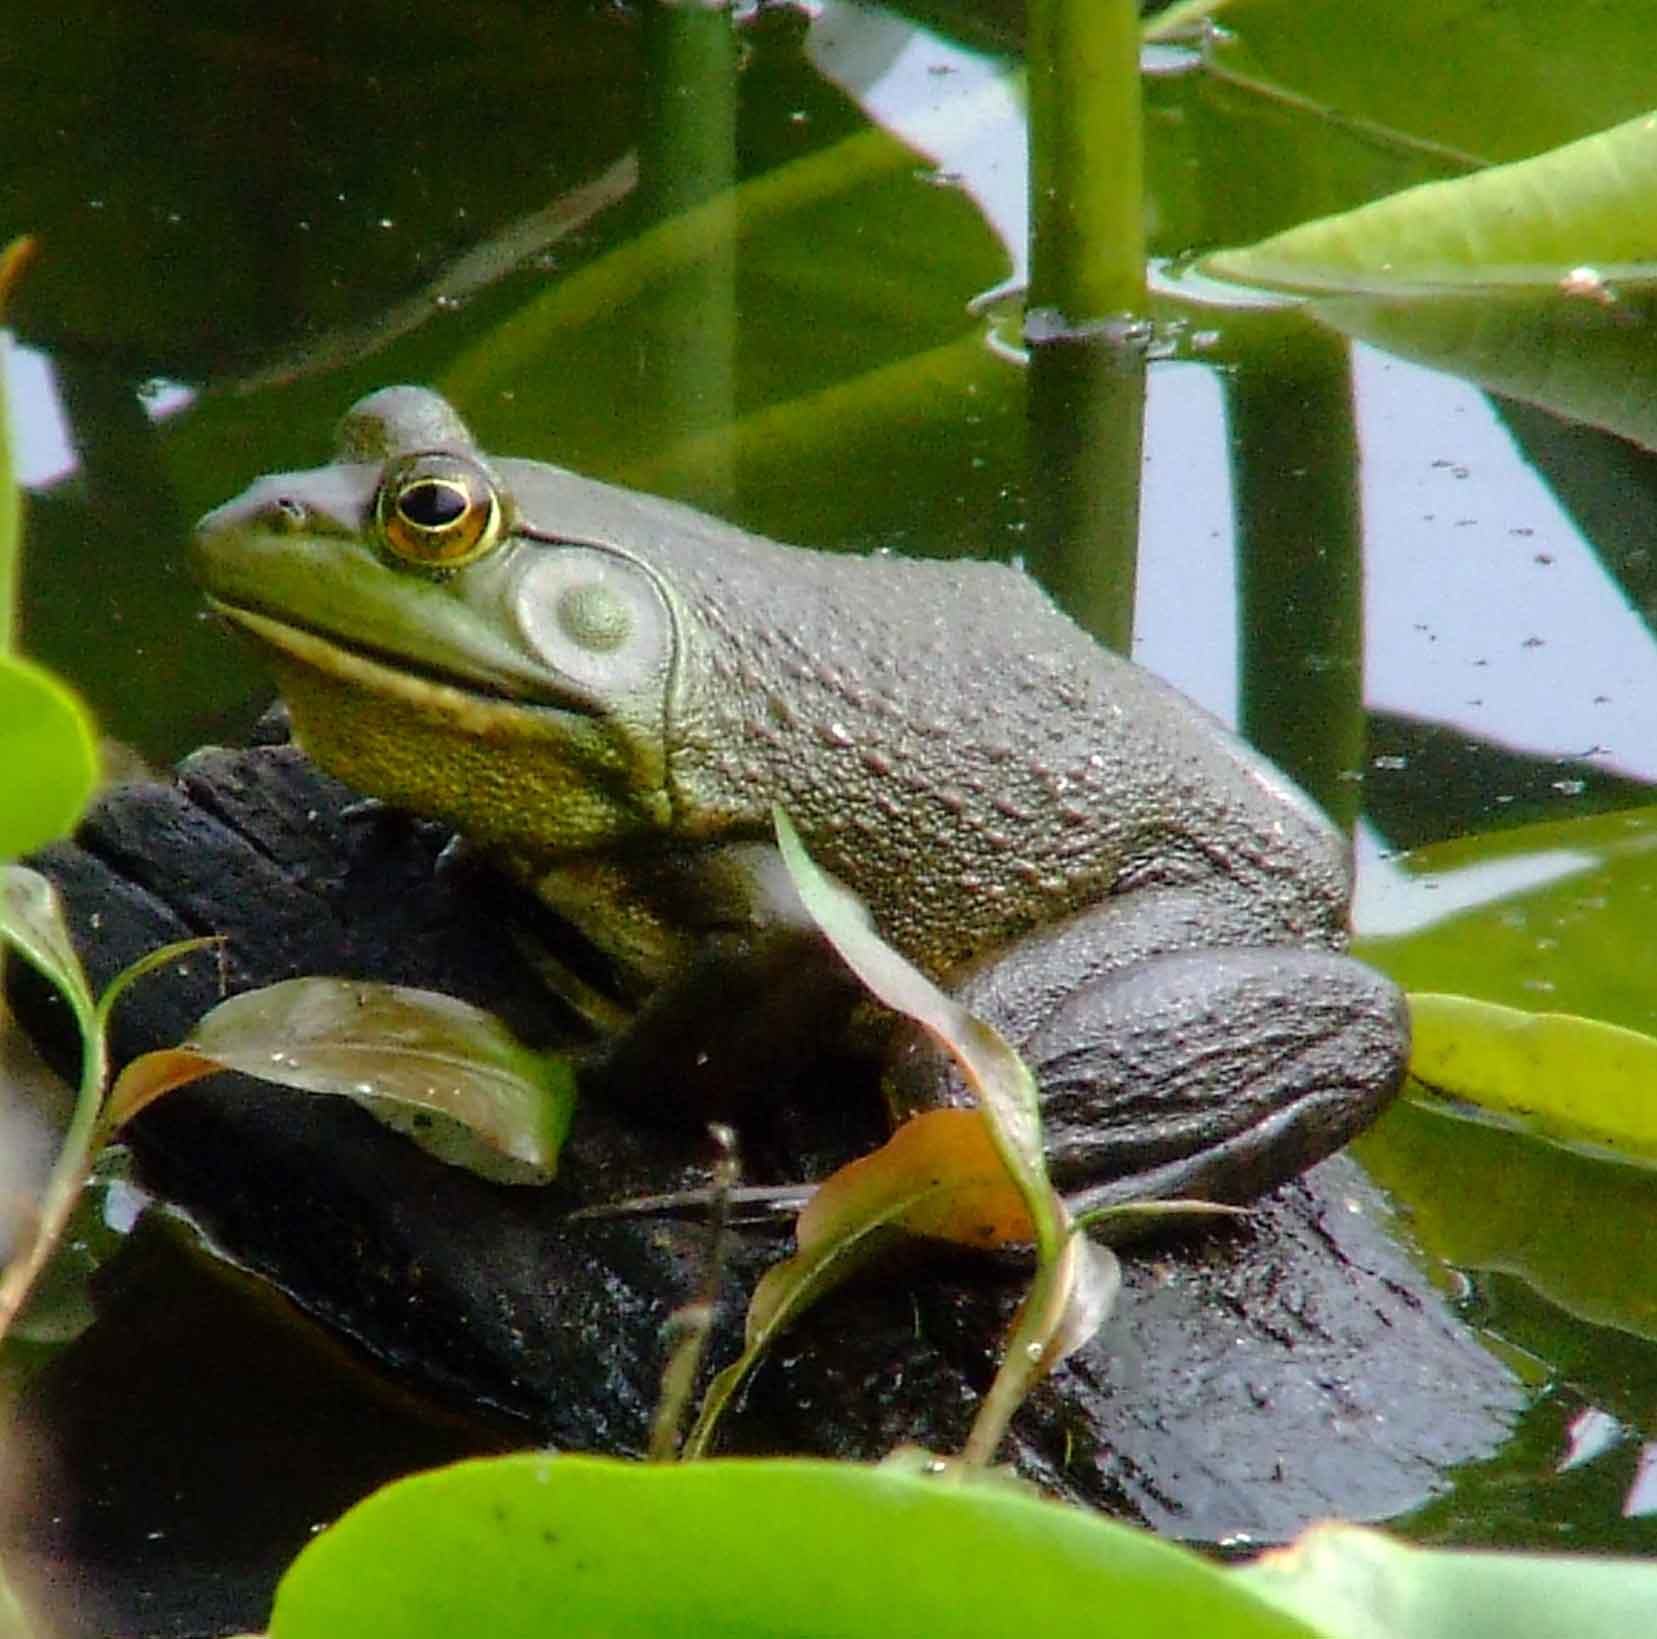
[[962, 754]]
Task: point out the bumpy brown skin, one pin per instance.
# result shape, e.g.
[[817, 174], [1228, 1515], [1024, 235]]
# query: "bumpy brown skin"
[[1151, 911], [965, 757]]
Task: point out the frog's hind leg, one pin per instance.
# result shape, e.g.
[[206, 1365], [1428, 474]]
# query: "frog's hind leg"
[[1181, 1049], [1215, 1075]]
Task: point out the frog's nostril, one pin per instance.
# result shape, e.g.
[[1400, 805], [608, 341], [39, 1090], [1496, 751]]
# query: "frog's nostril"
[[285, 513]]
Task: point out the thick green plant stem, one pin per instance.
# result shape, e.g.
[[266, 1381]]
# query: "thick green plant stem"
[[1086, 304], [1086, 426], [1294, 467], [1087, 234], [687, 162]]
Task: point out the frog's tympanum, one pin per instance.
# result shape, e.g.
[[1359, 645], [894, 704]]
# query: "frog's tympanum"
[[608, 692]]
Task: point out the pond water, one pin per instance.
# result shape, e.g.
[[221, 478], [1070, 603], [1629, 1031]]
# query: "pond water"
[[300, 209]]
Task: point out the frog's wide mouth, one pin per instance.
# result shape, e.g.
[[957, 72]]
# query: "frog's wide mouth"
[[474, 704]]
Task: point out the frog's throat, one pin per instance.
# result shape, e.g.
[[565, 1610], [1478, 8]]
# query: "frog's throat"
[[467, 707], [536, 779]]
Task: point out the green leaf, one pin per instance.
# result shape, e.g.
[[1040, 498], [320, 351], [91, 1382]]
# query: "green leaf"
[[1076, 1282], [448, 1074], [1358, 1584], [538, 1545], [1563, 1075], [1487, 82], [14, 1616], [1582, 349], [31, 920], [11, 522], [1131, 1219], [1551, 916], [48, 752], [1528, 223], [147, 964]]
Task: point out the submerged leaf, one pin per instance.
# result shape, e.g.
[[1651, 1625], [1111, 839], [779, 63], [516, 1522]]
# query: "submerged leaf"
[[1587, 204], [1565, 1076], [1559, 909], [448, 1074]]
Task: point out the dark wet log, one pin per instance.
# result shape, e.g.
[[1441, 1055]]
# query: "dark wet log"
[[1256, 1377]]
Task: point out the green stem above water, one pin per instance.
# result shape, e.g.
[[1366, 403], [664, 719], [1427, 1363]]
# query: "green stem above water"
[[1087, 232]]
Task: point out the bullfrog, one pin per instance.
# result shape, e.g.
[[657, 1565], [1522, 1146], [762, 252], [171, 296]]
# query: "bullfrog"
[[607, 693]]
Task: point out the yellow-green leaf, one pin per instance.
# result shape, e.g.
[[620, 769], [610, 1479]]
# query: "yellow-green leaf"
[[1582, 348], [1567, 1077], [536, 1545]]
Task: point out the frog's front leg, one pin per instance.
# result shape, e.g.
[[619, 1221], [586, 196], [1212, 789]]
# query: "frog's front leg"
[[747, 992], [1177, 1054]]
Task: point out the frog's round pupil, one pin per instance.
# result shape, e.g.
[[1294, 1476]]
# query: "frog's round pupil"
[[432, 504]]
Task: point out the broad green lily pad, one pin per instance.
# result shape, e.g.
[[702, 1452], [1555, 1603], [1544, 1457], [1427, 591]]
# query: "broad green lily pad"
[[1362, 1585], [539, 1545], [1587, 205]]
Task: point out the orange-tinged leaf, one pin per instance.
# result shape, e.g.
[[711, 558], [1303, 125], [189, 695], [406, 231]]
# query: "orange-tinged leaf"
[[15, 258], [997, 1075], [150, 1075], [939, 1174]]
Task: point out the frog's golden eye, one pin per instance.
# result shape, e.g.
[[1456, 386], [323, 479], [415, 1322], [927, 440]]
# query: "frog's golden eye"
[[438, 511]]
